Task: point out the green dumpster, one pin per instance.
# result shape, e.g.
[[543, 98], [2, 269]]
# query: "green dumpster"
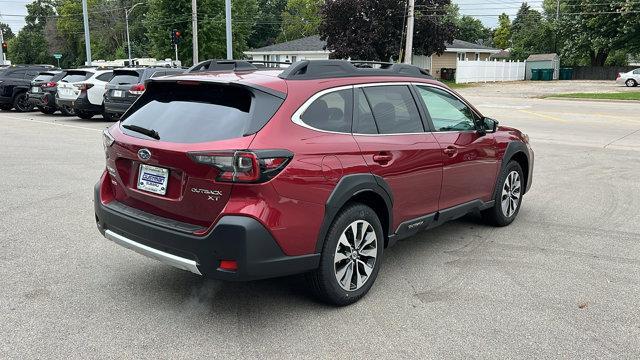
[[566, 74], [535, 74], [547, 74]]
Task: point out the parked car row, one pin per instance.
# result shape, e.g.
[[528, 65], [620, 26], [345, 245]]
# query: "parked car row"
[[83, 92]]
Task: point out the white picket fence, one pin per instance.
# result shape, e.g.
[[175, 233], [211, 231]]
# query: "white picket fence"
[[489, 71]]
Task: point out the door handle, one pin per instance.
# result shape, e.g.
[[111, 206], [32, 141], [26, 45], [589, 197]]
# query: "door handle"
[[450, 150], [382, 158]]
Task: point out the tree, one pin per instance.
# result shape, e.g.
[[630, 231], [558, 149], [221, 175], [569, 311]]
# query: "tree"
[[530, 34], [590, 32], [28, 47], [6, 31], [471, 29], [267, 28], [360, 29], [164, 15], [37, 14], [502, 34], [300, 18]]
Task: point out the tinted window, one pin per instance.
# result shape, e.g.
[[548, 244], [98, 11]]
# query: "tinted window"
[[31, 74], [636, 71], [43, 77], [105, 77], [59, 76], [159, 74], [446, 111], [330, 112], [364, 123], [75, 76], [200, 113], [394, 109], [124, 78]]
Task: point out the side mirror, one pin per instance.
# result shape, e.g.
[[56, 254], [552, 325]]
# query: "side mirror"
[[489, 125]]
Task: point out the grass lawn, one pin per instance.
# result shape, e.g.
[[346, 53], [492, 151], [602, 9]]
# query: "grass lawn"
[[627, 95], [453, 85]]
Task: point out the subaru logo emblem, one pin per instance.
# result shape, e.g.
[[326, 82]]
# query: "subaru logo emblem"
[[144, 154]]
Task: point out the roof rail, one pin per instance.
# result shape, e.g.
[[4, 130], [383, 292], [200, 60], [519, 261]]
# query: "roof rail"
[[323, 69], [222, 65], [266, 62]]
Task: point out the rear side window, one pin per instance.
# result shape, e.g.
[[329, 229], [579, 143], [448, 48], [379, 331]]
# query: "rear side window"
[[125, 78], [330, 112], [200, 112], [75, 76], [394, 110]]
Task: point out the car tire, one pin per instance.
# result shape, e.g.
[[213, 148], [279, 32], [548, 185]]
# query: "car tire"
[[84, 115], [107, 117], [345, 255], [47, 110], [631, 83], [508, 196], [67, 111], [21, 103], [6, 107]]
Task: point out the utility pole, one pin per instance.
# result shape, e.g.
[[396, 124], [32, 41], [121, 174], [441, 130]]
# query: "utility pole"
[[557, 10], [1, 48], [87, 37], [126, 18], [194, 29], [227, 11], [408, 50]]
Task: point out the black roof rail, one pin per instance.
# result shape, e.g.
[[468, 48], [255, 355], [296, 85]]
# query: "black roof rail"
[[267, 62], [323, 69], [222, 65]]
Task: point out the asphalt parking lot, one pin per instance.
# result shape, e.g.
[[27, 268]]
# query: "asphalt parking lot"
[[563, 281]]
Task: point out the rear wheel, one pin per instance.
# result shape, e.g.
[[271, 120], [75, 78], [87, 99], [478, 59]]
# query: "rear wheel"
[[47, 110], [631, 83], [351, 256], [508, 196], [21, 103], [84, 115]]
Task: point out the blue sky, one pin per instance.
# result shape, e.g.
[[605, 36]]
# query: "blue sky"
[[485, 10]]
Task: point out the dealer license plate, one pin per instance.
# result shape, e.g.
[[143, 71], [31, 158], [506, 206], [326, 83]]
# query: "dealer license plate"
[[153, 179], [35, 89], [118, 93]]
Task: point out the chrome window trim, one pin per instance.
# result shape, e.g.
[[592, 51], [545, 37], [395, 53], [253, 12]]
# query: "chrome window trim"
[[296, 118]]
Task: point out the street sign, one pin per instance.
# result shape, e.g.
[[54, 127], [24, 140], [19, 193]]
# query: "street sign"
[[57, 56]]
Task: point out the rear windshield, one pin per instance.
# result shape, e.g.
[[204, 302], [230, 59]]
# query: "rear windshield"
[[200, 112], [43, 77], [75, 76], [125, 78]]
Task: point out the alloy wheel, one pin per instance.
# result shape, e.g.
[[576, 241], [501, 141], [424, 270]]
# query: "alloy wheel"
[[510, 194], [631, 83], [22, 104], [355, 256]]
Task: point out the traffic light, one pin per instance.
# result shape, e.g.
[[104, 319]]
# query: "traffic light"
[[176, 37], [4, 46]]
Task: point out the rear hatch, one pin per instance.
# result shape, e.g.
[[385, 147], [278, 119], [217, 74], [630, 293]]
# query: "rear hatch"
[[66, 87], [171, 147], [40, 81], [125, 86]]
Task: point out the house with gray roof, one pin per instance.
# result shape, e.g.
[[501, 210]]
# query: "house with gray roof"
[[313, 48]]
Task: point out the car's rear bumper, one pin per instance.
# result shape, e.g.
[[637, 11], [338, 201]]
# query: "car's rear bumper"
[[83, 104], [116, 108], [238, 238]]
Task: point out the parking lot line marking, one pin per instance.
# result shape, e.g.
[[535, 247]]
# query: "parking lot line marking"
[[616, 140], [52, 123], [544, 116]]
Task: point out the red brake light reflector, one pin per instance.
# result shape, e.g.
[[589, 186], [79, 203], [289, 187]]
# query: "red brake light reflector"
[[228, 265]]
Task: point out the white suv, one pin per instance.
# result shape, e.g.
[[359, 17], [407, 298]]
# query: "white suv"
[[82, 91], [631, 78]]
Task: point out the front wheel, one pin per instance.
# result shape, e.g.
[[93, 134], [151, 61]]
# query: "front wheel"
[[631, 83], [351, 256], [508, 196]]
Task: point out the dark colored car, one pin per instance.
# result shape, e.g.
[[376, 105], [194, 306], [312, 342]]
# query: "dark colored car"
[[127, 85], [42, 93], [15, 82], [315, 169]]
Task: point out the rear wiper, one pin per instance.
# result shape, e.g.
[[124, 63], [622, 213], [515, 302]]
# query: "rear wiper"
[[139, 129]]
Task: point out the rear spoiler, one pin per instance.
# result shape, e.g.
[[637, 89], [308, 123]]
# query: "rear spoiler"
[[178, 80]]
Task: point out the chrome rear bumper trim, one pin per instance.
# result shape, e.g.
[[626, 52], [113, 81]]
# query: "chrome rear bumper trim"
[[169, 259]]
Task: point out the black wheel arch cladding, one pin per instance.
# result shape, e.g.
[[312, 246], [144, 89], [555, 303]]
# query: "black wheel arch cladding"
[[348, 188]]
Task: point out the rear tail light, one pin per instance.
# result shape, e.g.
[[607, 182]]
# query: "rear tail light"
[[245, 166], [137, 89], [84, 86], [228, 265], [618, 76], [50, 84]]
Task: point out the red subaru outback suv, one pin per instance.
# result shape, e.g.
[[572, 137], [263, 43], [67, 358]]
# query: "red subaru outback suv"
[[254, 172]]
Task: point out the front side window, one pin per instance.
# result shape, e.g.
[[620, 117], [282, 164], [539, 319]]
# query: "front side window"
[[393, 108], [330, 112], [446, 111]]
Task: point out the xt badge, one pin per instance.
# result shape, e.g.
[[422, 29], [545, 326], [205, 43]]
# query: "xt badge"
[[212, 195]]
